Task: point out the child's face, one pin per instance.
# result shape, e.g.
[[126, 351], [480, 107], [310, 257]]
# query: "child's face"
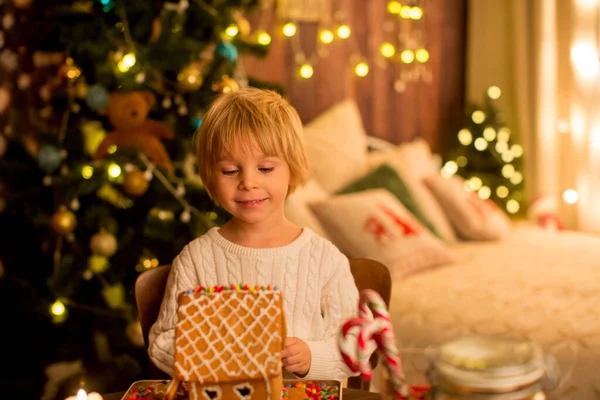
[[251, 186]]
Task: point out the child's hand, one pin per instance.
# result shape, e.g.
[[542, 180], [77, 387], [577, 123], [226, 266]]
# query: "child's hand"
[[295, 356]]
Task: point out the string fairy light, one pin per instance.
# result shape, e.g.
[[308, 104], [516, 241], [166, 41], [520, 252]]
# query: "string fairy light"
[[404, 49]]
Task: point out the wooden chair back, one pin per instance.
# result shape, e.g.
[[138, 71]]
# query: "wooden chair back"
[[150, 289]]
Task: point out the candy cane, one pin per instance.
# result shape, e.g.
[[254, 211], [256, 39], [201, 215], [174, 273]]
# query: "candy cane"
[[375, 324]]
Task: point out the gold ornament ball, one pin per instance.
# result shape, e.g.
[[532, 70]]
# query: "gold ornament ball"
[[98, 264], [134, 333], [63, 221], [190, 78], [103, 244], [135, 183], [225, 85], [22, 3]]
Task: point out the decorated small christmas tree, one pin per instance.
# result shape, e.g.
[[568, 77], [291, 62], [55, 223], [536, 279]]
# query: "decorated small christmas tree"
[[99, 101], [487, 155]]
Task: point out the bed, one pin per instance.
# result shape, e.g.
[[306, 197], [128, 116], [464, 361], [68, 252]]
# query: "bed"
[[536, 284], [508, 278]]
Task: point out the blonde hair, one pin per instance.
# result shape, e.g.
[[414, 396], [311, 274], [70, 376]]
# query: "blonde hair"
[[251, 114]]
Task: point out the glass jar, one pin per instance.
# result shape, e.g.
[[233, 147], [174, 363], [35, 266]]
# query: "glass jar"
[[489, 368]]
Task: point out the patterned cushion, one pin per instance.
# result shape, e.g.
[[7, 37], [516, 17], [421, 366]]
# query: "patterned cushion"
[[374, 224], [385, 177], [413, 161], [472, 217]]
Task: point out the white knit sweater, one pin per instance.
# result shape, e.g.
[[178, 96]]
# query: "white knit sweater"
[[318, 290]]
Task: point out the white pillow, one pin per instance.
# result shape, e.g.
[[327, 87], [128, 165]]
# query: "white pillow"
[[413, 161], [336, 144], [296, 207], [472, 217], [374, 224]]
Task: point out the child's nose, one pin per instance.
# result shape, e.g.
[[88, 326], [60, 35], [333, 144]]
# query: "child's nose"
[[248, 181]]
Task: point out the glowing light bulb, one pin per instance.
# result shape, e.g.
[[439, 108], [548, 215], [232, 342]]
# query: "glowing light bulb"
[[476, 182], [508, 156], [478, 116], [263, 38], [501, 147], [516, 178], [387, 50], [513, 206], [405, 12], [489, 134], [484, 193], [465, 137], [503, 134], [494, 92], [114, 170], [570, 196], [343, 31], [502, 191], [394, 7], [508, 170], [87, 171], [517, 150], [361, 69], [126, 62], [422, 55], [407, 56], [480, 144], [231, 30], [416, 13], [326, 36], [57, 308], [450, 168], [289, 29], [306, 71]]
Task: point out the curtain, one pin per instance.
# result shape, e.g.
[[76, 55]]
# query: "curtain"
[[543, 54]]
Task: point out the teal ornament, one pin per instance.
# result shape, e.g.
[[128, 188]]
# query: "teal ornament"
[[97, 97], [49, 158], [196, 121], [228, 51]]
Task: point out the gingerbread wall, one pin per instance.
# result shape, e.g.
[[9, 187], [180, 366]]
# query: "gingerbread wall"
[[430, 110]]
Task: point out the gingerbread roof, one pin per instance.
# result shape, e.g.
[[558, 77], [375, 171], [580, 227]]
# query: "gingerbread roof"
[[228, 335]]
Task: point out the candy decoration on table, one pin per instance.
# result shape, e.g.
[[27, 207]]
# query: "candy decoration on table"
[[374, 324], [228, 342]]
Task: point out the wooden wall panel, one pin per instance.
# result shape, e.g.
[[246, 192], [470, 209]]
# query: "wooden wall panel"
[[431, 110]]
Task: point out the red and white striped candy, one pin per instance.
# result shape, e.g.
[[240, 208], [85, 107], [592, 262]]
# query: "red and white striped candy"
[[374, 324]]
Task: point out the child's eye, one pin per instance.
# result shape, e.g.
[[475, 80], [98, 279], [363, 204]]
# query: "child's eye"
[[229, 172], [266, 170]]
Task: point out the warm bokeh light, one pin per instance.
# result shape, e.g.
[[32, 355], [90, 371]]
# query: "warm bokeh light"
[[306, 71], [343, 31], [494, 92], [422, 55], [570, 196], [289, 29], [387, 50], [478, 116], [326, 36], [465, 137], [407, 56], [361, 69]]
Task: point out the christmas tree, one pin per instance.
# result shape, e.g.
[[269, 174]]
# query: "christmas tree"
[[99, 101], [487, 155]]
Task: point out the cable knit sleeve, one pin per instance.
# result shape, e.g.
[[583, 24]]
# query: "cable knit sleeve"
[[339, 301], [161, 338]]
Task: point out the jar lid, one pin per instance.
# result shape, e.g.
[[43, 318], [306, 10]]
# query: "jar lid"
[[488, 364]]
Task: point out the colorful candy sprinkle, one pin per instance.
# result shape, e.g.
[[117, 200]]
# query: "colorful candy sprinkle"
[[237, 287]]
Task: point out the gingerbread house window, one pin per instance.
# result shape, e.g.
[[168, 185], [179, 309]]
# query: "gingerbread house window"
[[212, 393], [243, 391]]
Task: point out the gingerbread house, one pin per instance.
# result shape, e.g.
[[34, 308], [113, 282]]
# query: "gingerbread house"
[[228, 343]]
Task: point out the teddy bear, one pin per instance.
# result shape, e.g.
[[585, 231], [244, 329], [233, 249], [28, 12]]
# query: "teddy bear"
[[128, 114]]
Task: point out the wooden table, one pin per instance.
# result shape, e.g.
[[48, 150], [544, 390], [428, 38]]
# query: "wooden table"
[[347, 394]]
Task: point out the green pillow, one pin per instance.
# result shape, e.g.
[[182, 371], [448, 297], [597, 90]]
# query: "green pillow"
[[385, 177]]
